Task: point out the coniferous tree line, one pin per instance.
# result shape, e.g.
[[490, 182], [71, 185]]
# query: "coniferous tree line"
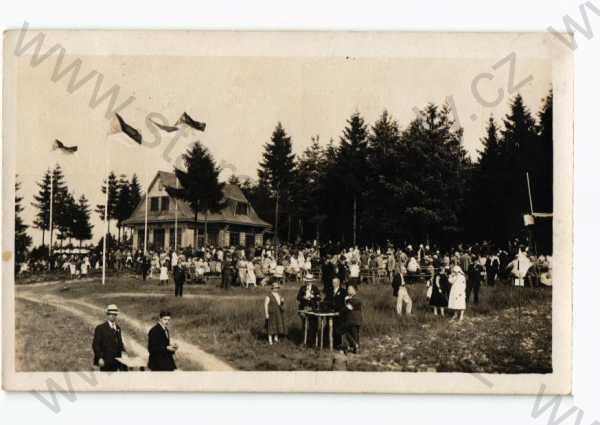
[[382, 183], [22, 239], [70, 216], [123, 196]]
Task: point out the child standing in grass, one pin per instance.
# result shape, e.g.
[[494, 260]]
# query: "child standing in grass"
[[274, 318], [164, 274]]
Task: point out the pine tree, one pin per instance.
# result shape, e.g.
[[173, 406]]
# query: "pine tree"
[[486, 188], [42, 204], [66, 212], [307, 186], [352, 163], [521, 152], [113, 192], [135, 190], [61, 205], [82, 228], [123, 205], [434, 167], [276, 170], [544, 184], [199, 186], [382, 169], [22, 239]]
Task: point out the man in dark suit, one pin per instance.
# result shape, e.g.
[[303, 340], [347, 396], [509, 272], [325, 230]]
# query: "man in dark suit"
[[159, 345], [474, 282], [145, 266], [352, 321], [108, 343], [337, 304], [226, 272], [327, 274], [179, 278]]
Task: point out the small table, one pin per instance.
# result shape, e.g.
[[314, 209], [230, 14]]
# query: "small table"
[[321, 318], [133, 363]]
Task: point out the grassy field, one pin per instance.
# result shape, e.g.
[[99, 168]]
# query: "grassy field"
[[508, 332], [50, 340]]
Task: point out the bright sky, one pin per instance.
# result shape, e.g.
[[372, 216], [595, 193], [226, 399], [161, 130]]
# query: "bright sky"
[[241, 100]]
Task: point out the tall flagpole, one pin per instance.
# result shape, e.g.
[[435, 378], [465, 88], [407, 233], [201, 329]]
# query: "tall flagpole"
[[146, 223], [51, 206], [105, 220], [175, 200], [529, 190]]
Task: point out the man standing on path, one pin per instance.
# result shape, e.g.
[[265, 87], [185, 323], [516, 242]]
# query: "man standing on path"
[[159, 345], [108, 343], [179, 278]]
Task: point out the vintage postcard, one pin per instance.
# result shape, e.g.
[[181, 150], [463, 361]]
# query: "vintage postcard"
[[368, 212]]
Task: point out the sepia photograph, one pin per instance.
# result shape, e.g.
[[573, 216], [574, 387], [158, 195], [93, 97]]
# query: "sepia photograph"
[[352, 212]]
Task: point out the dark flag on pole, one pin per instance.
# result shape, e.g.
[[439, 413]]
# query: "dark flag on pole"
[[66, 149], [120, 126], [167, 128], [186, 119]]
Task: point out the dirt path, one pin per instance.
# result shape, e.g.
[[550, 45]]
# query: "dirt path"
[[191, 352], [193, 296]]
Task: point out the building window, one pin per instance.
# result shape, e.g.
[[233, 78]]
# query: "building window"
[[241, 209], [180, 230], [164, 203], [159, 239], [154, 204]]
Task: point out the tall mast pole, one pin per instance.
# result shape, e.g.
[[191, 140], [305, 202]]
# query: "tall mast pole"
[[51, 207]]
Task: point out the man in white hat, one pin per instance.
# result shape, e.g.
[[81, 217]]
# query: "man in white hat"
[[308, 299], [108, 342]]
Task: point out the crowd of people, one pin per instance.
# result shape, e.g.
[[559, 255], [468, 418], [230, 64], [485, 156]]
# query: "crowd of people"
[[452, 277]]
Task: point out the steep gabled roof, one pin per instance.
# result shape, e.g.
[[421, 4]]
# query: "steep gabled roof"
[[232, 193]]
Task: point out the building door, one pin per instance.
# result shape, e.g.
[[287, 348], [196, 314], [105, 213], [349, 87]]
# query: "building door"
[[159, 238]]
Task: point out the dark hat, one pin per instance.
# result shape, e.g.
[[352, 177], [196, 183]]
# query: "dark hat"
[[164, 313]]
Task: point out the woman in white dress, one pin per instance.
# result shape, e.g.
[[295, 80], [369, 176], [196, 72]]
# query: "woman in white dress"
[[458, 293], [301, 264], [250, 276], [242, 272]]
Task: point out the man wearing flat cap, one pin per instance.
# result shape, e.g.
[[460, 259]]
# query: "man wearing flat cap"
[[159, 345], [108, 342]]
